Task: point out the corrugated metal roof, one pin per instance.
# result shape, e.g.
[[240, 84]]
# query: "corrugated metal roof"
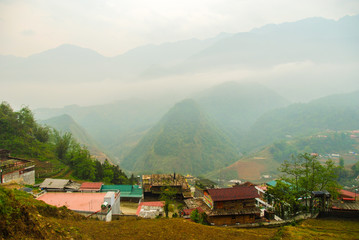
[[150, 204], [54, 183], [234, 193], [346, 193], [91, 186], [126, 190]]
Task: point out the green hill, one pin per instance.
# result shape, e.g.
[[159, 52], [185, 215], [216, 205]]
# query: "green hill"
[[185, 140], [336, 112], [66, 123]]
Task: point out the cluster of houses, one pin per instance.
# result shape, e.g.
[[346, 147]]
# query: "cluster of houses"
[[243, 203]]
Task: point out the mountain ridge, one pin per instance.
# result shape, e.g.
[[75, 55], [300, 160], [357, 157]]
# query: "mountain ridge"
[[184, 141]]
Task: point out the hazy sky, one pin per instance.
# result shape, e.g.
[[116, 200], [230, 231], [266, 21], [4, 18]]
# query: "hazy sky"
[[112, 27]]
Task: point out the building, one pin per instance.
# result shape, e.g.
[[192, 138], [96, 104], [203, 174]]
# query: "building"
[[155, 183], [14, 169], [59, 185], [186, 213], [91, 187], [150, 209], [130, 193], [347, 195], [90, 204], [230, 206]]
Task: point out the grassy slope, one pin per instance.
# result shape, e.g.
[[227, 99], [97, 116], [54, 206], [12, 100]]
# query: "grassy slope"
[[249, 167], [321, 229], [32, 219]]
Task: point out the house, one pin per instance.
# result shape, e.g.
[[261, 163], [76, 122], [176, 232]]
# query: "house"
[[130, 193], [230, 206], [91, 187], [155, 183], [14, 169], [90, 204], [186, 213], [347, 195], [59, 185], [150, 209]]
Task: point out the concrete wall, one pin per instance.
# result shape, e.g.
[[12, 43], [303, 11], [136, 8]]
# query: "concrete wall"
[[116, 205], [26, 176]]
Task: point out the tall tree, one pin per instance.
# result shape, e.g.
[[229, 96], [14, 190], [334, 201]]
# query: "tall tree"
[[305, 173]]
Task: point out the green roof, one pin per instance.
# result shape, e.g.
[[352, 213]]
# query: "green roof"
[[273, 183], [126, 190]]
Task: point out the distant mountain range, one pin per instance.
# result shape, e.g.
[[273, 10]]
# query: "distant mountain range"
[[314, 43]]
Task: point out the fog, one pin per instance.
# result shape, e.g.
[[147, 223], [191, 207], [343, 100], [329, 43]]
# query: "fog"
[[298, 82], [184, 51]]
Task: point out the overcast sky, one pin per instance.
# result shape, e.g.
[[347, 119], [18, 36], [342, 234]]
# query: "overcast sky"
[[112, 27]]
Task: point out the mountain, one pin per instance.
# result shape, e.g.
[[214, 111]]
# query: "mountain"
[[236, 106], [65, 123], [336, 112], [72, 63], [65, 63], [117, 126], [316, 39], [185, 140]]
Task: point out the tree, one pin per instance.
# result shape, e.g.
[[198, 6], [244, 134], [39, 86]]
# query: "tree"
[[62, 144], [167, 194], [195, 216], [305, 174]]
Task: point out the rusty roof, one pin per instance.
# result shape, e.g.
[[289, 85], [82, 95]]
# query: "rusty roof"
[[346, 193], [91, 186], [234, 193]]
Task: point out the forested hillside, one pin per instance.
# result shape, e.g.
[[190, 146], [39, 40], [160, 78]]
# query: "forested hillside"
[[25, 138], [65, 123], [337, 112], [186, 141]]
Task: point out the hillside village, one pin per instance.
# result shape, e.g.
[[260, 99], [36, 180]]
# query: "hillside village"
[[157, 195], [250, 133]]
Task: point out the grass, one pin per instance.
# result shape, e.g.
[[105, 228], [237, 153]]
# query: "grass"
[[22, 217], [323, 229]]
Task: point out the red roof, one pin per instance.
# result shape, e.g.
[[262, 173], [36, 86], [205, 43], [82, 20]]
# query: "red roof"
[[235, 193], [91, 186], [151, 204], [90, 202], [189, 211], [346, 194]]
